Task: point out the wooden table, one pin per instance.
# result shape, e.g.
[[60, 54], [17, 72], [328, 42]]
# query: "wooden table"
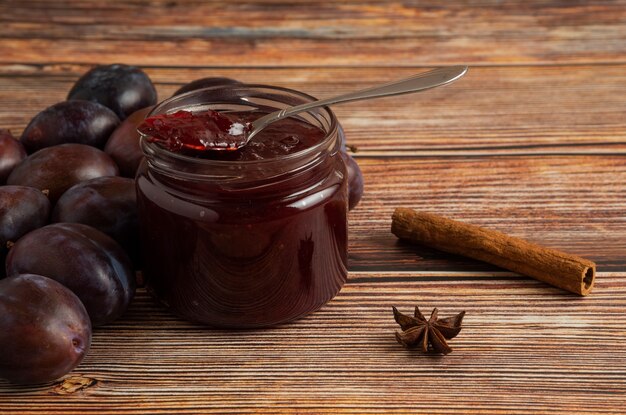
[[532, 142]]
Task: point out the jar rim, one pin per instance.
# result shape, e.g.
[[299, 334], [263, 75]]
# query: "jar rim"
[[153, 149]]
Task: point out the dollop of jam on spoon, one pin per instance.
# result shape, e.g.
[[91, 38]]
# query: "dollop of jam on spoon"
[[196, 131]]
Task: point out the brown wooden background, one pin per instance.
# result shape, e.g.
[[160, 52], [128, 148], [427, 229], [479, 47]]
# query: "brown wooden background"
[[532, 142]]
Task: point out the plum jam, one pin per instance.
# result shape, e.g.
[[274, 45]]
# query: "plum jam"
[[197, 134], [250, 237], [186, 131]]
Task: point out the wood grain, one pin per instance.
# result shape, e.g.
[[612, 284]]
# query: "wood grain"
[[523, 345], [277, 33], [532, 142], [572, 203], [549, 167], [491, 111]]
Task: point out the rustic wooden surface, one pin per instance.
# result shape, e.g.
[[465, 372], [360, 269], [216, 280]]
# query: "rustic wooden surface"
[[532, 142]]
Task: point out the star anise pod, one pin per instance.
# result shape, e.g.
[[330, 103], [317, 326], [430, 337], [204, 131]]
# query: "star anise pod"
[[430, 335]]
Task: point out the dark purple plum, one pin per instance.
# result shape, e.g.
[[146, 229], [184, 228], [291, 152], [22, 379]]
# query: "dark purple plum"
[[22, 209], [122, 88], [83, 259], [45, 329], [123, 145], [108, 204], [12, 153], [205, 83], [355, 180], [81, 122], [58, 168]]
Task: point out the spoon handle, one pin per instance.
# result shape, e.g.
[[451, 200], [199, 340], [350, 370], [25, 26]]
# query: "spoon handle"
[[416, 83]]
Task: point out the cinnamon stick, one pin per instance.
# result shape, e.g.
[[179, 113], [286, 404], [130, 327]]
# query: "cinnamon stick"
[[566, 271]]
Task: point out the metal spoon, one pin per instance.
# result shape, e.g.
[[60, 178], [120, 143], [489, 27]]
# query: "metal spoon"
[[420, 82]]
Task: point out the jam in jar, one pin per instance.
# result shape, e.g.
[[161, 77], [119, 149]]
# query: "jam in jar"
[[251, 237]]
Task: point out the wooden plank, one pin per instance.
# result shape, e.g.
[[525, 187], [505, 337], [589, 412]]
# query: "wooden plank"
[[245, 33], [573, 203], [525, 347], [492, 111]]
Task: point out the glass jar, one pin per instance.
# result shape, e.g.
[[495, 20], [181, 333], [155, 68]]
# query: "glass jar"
[[244, 243]]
